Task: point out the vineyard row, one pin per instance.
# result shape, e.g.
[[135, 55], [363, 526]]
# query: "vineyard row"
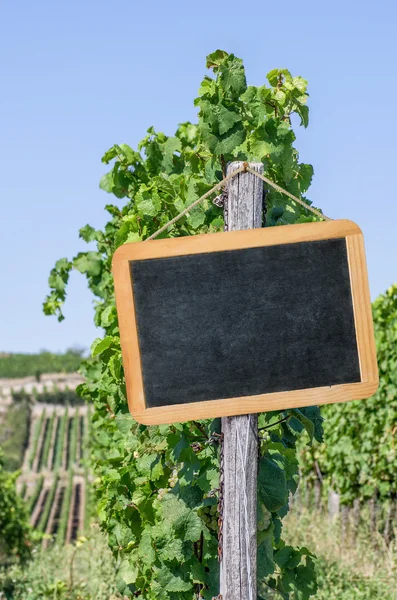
[[57, 441], [59, 508], [55, 478]]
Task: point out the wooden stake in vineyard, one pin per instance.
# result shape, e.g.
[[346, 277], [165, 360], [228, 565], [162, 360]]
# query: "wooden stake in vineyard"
[[243, 210]]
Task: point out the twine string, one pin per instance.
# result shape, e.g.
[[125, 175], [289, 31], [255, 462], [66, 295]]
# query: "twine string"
[[245, 168], [286, 193]]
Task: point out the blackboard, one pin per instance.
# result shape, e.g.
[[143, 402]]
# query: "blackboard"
[[238, 322]]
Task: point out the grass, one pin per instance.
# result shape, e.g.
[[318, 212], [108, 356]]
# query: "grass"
[[355, 567], [361, 567], [83, 571], [14, 434]]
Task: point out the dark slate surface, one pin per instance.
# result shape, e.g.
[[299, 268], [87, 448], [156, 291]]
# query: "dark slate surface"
[[245, 322]]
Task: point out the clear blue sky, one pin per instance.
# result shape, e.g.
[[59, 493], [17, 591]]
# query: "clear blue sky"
[[77, 77]]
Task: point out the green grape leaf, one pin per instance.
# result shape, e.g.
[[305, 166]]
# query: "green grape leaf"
[[196, 216], [110, 154], [305, 421], [233, 76], [226, 119], [124, 422], [87, 233], [216, 58], [88, 262], [129, 154], [147, 208], [107, 182], [100, 345], [226, 143], [128, 570], [173, 580], [272, 484], [172, 145]]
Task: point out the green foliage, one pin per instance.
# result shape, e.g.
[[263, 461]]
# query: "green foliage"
[[42, 524], [335, 582], [36, 438], [66, 397], [14, 434], [83, 571], [359, 458], [22, 365], [22, 491], [44, 442], [63, 520], [55, 396], [73, 443], [36, 493], [155, 484], [89, 508], [47, 443], [60, 440], [15, 532], [349, 566]]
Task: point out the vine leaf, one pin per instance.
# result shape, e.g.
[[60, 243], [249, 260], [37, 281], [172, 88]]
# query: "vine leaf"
[[128, 570], [307, 423], [100, 345], [88, 262], [173, 580], [272, 484]]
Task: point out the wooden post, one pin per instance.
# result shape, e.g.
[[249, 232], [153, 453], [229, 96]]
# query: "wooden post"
[[243, 210]]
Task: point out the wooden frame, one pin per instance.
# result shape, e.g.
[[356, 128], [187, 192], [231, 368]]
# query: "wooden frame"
[[234, 240]]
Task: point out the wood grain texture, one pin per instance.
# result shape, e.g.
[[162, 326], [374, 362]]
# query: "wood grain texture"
[[240, 433], [253, 404], [235, 240], [239, 519], [128, 335], [362, 308]]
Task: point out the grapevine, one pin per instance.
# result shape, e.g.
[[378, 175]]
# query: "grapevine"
[[42, 524], [36, 438], [63, 520], [47, 443], [157, 486], [60, 441], [15, 531], [36, 493], [73, 438], [359, 458]]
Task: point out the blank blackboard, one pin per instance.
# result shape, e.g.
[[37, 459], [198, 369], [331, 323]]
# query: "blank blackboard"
[[245, 324]]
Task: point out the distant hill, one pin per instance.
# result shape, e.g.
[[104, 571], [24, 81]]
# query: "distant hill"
[[23, 365]]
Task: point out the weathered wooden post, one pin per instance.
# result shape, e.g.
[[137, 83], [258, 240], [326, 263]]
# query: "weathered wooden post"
[[243, 210]]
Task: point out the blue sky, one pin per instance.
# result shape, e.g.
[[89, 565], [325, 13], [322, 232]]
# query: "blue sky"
[[77, 77]]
